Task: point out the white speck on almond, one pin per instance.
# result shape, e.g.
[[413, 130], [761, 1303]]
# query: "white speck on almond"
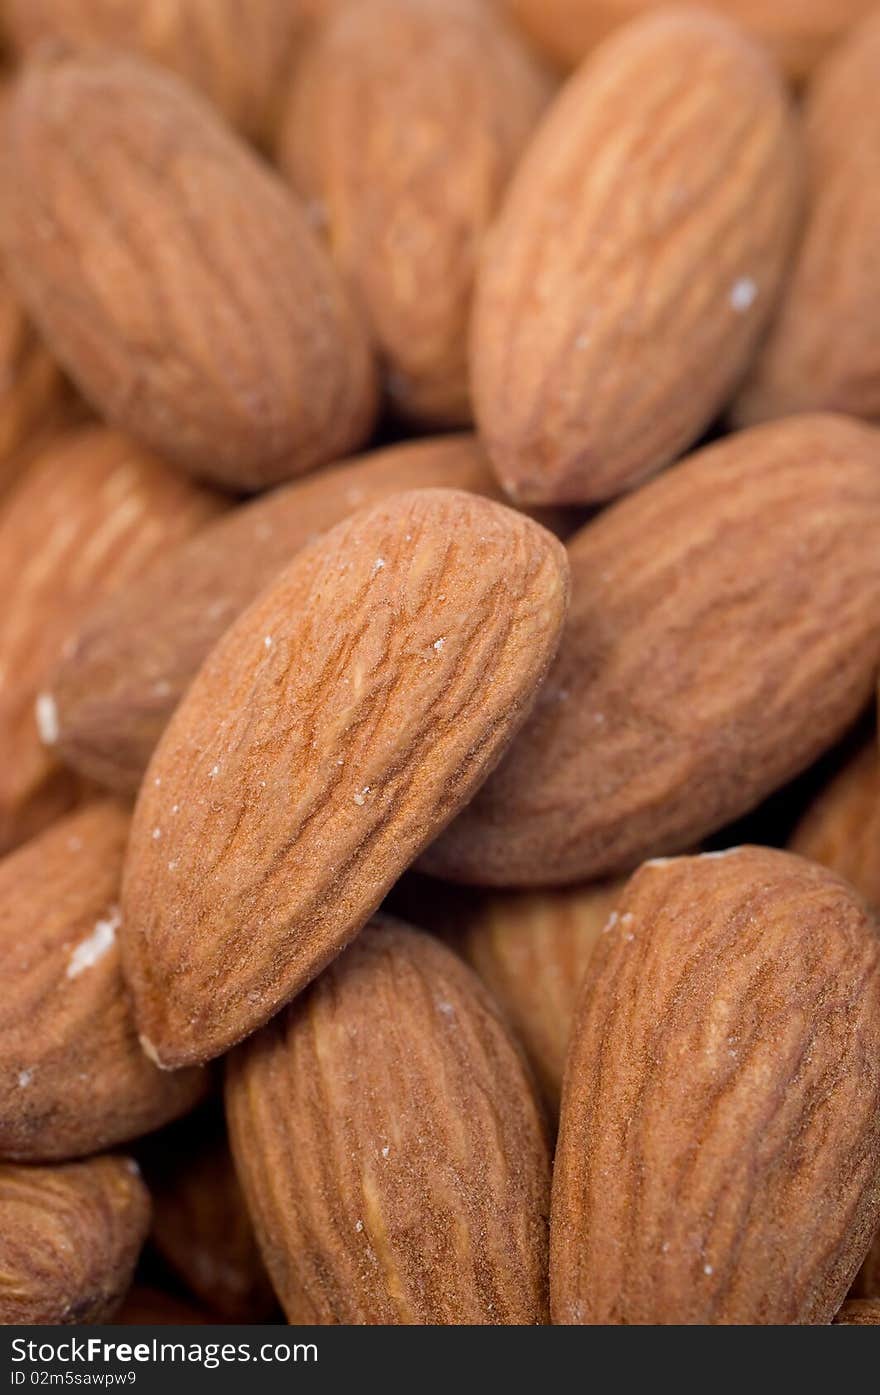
[[90, 950], [46, 714]]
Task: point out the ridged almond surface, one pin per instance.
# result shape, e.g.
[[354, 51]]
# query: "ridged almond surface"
[[238, 52], [201, 1227], [390, 1145], [724, 631], [405, 123], [634, 260], [175, 277], [73, 1077], [88, 515], [719, 1149], [822, 352], [841, 828], [69, 1240], [798, 32], [860, 1312], [532, 950], [139, 649], [337, 727]]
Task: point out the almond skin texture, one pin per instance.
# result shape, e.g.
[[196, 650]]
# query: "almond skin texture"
[[531, 951], [823, 349], [634, 262], [73, 1077], [400, 1175], [724, 1072], [69, 1240], [175, 277], [238, 52], [860, 1312], [139, 649], [201, 1226], [841, 828], [724, 631], [798, 32], [337, 727], [406, 120], [88, 515]]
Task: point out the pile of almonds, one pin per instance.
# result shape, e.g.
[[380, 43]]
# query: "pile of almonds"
[[440, 560]]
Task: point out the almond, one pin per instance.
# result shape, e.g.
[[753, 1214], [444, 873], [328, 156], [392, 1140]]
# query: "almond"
[[73, 1078], [860, 1312], [724, 1073], [140, 648], [634, 261], [145, 1306], [88, 515], [396, 1172], [841, 828], [532, 951], [201, 1226], [724, 631], [405, 123], [867, 1284], [32, 390], [69, 1239], [202, 40], [175, 277], [823, 349], [798, 32], [343, 720]]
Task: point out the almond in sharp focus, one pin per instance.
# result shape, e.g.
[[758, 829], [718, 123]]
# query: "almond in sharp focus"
[[175, 277], [336, 728], [798, 32], [89, 514], [390, 1145], [73, 1077], [244, 73], [634, 261], [724, 631], [405, 123], [719, 1152], [823, 349], [860, 1312], [841, 828], [139, 649], [532, 950], [69, 1239]]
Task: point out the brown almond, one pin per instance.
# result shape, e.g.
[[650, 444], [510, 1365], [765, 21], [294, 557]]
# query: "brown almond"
[[201, 1227], [89, 514], [343, 720], [867, 1282], [145, 1306], [797, 32], [532, 951], [139, 649], [634, 261], [175, 277], [238, 54], [69, 1240], [73, 1077], [822, 352], [724, 631], [390, 1145], [841, 828], [405, 122], [860, 1312], [725, 1073]]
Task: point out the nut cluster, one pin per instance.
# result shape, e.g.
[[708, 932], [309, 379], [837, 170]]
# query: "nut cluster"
[[440, 553]]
